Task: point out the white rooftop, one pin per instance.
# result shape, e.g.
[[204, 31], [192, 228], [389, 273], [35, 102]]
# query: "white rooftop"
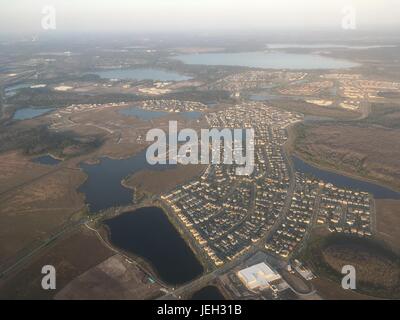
[[258, 276]]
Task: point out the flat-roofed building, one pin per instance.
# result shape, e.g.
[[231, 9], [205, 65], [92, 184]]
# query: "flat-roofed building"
[[258, 277]]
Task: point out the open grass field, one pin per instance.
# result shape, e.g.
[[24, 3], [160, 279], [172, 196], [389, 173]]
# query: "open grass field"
[[388, 222], [377, 267], [71, 256], [157, 182], [385, 115], [331, 290], [16, 169], [114, 278], [364, 151], [34, 210], [314, 110]]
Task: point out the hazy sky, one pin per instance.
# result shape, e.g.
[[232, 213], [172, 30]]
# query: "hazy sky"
[[199, 15]]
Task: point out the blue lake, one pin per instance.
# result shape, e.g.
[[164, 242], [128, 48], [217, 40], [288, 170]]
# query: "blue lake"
[[148, 115], [141, 74], [342, 181], [267, 60], [103, 188], [148, 233], [324, 46], [29, 113]]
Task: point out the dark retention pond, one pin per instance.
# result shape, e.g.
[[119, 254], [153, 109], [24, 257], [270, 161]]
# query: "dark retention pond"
[[103, 188], [47, 159], [12, 90], [29, 113], [148, 233], [342, 181]]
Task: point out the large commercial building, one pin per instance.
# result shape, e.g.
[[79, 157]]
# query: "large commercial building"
[[258, 277]]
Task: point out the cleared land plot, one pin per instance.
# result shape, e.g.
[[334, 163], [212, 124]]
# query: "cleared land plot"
[[114, 278], [71, 256]]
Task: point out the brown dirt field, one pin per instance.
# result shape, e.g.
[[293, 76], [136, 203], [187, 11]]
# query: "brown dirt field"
[[157, 182], [34, 210], [332, 291], [114, 278], [388, 222], [71, 256], [369, 152], [16, 169]]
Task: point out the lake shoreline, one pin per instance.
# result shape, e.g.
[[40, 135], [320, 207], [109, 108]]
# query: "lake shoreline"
[[344, 173], [153, 264]]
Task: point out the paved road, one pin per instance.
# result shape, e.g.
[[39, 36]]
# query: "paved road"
[[204, 280], [197, 283], [7, 269]]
